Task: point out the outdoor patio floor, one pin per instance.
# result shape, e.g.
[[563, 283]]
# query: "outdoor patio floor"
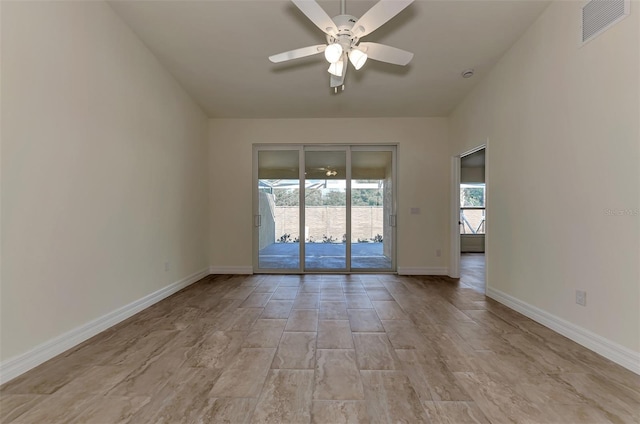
[[324, 256]]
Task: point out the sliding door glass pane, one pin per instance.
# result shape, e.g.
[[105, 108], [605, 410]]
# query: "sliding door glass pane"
[[371, 209], [278, 209], [325, 210]]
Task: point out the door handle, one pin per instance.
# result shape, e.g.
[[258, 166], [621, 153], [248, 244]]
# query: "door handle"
[[257, 220]]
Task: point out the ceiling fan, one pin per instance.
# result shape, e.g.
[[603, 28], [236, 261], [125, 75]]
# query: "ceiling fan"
[[343, 38]]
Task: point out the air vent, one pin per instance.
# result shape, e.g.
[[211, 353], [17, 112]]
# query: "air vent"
[[599, 15]]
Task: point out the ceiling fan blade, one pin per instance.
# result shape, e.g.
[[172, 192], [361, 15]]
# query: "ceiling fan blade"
[[317, 15], [297, 53], [380, 13], [384, 53]]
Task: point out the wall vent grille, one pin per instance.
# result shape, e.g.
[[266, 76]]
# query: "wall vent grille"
[[599, 15]]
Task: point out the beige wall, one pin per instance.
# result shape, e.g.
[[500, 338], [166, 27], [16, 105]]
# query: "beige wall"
[[563, 149], [423, 163], [103, 171]]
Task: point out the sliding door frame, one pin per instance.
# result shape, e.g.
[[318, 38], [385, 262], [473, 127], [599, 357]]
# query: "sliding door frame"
[[257, 148], [348, 149], [329, 148], [393, 208]]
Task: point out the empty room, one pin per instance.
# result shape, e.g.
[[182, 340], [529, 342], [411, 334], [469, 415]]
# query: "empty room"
[[331, 211]]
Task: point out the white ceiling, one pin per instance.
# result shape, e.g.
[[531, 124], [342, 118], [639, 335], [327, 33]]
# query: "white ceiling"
[[218, 51]]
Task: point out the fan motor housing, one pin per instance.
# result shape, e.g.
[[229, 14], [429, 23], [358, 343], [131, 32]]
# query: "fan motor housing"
[[345, 37], [346, 21]]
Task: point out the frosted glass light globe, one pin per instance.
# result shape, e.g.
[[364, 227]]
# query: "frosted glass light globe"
[[333, 52], [357, 58], [336, 68]]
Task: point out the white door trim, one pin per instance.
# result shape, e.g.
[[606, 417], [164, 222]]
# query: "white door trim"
[[454, 229]]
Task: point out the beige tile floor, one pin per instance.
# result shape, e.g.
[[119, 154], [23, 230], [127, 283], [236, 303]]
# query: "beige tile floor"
[[327, 349]]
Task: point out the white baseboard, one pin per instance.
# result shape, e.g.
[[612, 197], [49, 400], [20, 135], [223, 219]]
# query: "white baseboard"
[[230, 270], [20, 364], [601, 345], [423, 270]]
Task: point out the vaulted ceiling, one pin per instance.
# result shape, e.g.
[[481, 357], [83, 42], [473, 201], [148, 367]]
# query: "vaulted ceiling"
[[218, 51]]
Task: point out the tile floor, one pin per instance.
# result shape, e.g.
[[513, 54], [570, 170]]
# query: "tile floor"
[[326, 349]]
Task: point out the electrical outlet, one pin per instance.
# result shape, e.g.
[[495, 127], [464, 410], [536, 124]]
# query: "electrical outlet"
[[438, 252], [167, 266], [581, 297]]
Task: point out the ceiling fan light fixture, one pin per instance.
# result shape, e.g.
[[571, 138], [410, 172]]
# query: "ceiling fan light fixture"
[[336, 68], [333, 52], [357, 58], [343, 35]]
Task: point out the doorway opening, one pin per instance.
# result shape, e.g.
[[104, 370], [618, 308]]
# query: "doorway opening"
[[469, 220], [324, 208]]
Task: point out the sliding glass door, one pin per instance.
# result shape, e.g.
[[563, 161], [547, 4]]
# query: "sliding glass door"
[[324, 208], [372, 211], [277, 216]]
